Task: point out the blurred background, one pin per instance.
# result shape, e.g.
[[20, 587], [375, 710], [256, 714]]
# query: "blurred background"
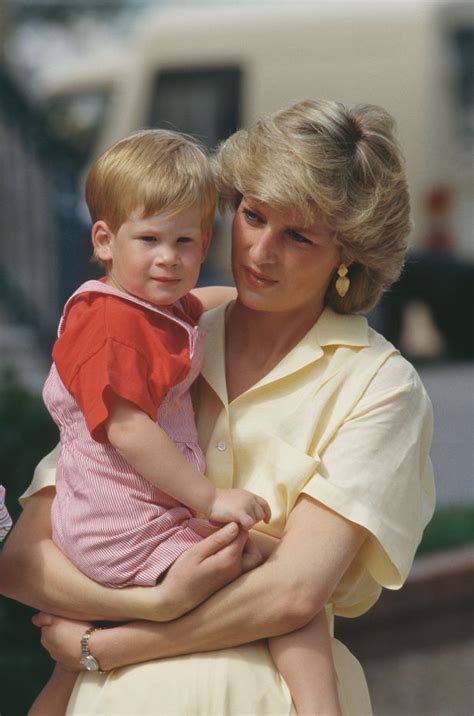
[[76, 75]]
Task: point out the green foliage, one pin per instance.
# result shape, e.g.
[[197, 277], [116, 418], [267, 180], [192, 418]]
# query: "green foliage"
[[24, 665], [450, 527], [26, 434]]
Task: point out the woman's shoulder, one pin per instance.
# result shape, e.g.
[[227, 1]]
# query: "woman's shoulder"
[[361, 349], [395, 369], [391, 382], [372, 365]]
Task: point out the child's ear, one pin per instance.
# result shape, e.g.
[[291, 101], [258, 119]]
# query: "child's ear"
[[102, 241], [206, 242]]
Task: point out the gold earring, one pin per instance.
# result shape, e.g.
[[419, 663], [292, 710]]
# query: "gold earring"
[[343, 282]]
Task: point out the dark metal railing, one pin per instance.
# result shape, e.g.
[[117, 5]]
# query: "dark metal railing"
[[44, 244]]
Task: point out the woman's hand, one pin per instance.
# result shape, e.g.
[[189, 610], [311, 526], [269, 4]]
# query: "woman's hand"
[[199, 572], [34, 571], [196, 574], [62, 638]]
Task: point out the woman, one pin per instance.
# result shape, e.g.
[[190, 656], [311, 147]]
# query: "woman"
[[300, 402]]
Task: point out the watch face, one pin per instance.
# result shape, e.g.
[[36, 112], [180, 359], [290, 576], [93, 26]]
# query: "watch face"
[[89, 663]]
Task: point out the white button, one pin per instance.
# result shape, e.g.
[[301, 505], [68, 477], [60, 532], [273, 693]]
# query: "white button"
[[221, 446]]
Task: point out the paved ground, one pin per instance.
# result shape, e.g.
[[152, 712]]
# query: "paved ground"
[[432, 682], [450, 386]]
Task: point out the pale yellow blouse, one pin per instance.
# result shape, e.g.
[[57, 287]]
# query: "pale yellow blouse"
[[342, 418]]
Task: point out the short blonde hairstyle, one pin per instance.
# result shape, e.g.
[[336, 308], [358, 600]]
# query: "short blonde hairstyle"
[[324, 160], [153, 171]]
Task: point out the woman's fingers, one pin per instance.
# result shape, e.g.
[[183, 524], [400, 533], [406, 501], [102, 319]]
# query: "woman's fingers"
[[42, 619], [205, 568], [217, 541], [252, 556], [61, 638], [248, 521]]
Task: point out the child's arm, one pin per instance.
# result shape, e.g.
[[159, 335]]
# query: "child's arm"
[[54, 697], [154, 455], [212, 296], [304, 659]]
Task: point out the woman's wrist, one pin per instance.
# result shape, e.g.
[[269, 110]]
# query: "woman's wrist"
[[156, 603], [128, 644]]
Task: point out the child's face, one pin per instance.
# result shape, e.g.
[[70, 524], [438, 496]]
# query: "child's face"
[[156, 258]]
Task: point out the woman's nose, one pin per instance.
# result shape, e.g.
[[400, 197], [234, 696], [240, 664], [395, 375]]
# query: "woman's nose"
[[263, 246]]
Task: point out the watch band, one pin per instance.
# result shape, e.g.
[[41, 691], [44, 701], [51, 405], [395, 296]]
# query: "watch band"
[[87, 660]]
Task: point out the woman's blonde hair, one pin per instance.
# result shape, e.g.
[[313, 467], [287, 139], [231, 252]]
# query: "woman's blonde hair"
[[153, 171], [324, 160]]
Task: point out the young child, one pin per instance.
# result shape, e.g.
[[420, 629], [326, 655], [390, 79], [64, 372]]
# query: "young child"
[[130, 491]]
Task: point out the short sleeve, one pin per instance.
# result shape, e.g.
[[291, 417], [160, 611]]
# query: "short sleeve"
[[44, 475], [119, 370], [377, 473], [112, 348]]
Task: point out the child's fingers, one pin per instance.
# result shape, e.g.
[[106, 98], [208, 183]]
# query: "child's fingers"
[[267, 513], [260, 510]]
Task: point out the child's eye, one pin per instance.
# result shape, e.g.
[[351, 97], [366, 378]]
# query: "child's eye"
[[148, 239], [185, 239]]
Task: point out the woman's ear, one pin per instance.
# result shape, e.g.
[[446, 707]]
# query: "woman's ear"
[[102, 241]]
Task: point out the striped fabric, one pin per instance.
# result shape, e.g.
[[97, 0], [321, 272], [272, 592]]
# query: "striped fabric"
[[111, 522], [5, 519]]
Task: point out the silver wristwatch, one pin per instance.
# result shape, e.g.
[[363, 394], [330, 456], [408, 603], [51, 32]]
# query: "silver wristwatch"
[[87, 661]]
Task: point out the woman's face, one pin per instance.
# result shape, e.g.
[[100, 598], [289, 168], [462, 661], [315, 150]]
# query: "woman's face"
[[279, 263]]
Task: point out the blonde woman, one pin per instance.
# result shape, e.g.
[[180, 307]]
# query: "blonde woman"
[[300, 402]]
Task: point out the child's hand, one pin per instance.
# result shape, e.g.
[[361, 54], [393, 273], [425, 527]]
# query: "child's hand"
[[239, 506]]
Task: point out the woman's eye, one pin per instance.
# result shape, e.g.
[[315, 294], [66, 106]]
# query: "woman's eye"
[[299, 238], [251, 215]]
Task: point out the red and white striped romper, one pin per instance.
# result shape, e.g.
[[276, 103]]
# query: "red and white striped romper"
[[113, 524]]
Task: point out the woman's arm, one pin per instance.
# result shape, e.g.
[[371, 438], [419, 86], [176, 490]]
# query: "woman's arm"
[[281, 595], [34, 571]]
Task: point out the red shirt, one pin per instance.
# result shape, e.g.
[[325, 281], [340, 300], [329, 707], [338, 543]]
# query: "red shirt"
[[111, 347]]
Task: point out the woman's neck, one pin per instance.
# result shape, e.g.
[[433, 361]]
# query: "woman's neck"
[[256, 341]]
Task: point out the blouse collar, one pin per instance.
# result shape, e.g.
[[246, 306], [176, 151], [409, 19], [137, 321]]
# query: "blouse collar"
[[330, 329]]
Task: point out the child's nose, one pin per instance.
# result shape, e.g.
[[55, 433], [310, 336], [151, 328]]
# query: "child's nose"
[[167, 256]]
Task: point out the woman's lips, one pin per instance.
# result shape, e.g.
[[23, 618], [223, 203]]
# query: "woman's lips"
[[255, 278]]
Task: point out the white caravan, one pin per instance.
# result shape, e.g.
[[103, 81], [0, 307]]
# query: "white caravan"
[[208, 70]]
